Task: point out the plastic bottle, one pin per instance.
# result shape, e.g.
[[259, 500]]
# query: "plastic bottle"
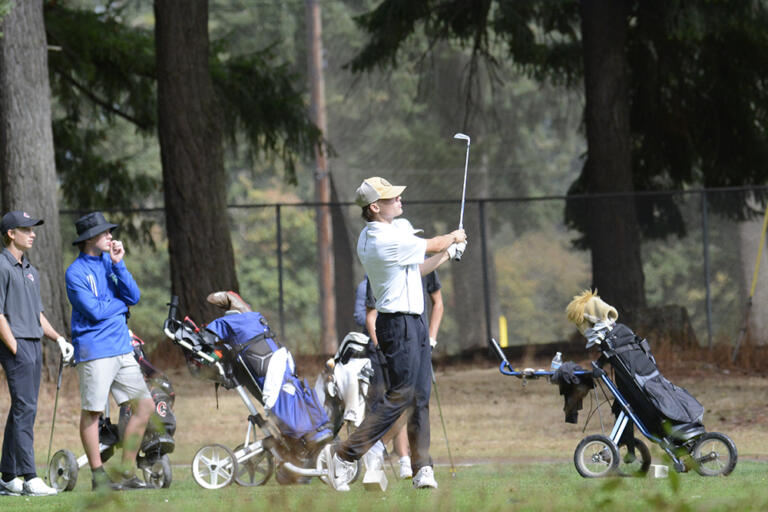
[[556, 362]]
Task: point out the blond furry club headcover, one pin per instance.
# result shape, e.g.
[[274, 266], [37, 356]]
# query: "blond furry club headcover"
[[587, 309]]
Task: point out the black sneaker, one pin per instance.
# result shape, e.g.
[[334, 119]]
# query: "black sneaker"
[[101, 482], [134, 483]]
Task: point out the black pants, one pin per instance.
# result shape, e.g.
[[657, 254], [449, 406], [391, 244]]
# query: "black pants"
[[404, 341], [23, 374]]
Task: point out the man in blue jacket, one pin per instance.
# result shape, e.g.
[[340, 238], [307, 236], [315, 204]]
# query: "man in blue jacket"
[[100, 289]]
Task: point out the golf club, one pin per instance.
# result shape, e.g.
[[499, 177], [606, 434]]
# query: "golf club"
[[55, 407], [462, 136], [440, 410]]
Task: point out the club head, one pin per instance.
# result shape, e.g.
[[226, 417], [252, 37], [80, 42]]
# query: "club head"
[[462, 137]]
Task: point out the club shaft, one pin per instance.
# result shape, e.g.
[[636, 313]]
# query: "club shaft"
[[53, 421], [464, 189], [442, 421]]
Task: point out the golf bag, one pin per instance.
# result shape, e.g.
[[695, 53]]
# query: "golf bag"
[[348, 380], [161, 427], [665, 409], [239, 351], [267, 370]]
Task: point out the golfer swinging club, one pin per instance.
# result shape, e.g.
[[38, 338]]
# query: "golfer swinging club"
[[395, 259]]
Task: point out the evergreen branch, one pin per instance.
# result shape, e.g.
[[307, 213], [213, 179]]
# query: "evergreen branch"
[[104, 104]]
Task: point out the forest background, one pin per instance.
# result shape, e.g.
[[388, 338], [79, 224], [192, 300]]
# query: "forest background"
[[395, 119]]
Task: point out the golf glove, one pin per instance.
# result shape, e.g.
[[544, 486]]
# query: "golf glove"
[[433, 342], [458, 251], [67, 350]]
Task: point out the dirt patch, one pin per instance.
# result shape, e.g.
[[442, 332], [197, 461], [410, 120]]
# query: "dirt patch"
[[488, 416]]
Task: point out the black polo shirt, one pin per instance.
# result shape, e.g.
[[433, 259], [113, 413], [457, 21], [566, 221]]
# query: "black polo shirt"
[[20, 300]]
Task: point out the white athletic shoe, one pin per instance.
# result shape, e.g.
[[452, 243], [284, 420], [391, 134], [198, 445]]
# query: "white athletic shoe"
[[425, 478], [36, 487], [14, 487], [341, 473], [405, 468]]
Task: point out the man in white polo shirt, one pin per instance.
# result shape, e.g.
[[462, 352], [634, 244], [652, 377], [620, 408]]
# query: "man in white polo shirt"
[[395, 259]]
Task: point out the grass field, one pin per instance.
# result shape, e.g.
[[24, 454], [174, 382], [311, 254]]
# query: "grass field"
[[537, 486], [511, 448]]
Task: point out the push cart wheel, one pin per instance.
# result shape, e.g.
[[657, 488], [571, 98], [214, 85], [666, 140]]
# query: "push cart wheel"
[[62, 472], [714, 454], [159, 474], [214, 466], [634, 464], [322, 463], [255, 470], [596, 456]]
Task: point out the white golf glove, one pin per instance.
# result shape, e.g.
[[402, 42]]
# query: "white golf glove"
[[67, 350], [433, 342], [455, 251]]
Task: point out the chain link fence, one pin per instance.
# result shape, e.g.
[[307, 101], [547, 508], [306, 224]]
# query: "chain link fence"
[[520, 268]]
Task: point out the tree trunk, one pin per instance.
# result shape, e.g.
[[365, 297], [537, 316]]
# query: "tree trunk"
[[344, 262], [612, 233], [194, 178], [27, 168]]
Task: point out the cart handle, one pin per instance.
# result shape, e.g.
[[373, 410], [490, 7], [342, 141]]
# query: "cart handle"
[[506, 367]]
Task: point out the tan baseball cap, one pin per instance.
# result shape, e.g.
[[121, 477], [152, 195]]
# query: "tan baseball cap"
[[375, 188]]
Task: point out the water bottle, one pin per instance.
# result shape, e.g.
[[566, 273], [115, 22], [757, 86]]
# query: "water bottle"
[[556, 362]]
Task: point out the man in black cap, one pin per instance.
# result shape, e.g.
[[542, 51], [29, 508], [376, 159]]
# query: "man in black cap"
[[22, 325], [101, 289]]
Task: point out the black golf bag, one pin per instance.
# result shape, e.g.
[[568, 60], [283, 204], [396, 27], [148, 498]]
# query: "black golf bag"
[[667, 410], [158, 436]]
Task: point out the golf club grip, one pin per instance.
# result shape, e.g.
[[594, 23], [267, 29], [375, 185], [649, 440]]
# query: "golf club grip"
[[61, 371], [173, 307]]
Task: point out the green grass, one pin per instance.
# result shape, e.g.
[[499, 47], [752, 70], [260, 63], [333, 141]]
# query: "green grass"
[[540, 486]]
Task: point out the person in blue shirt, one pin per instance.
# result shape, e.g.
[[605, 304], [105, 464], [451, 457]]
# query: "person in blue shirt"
[[101, 289]]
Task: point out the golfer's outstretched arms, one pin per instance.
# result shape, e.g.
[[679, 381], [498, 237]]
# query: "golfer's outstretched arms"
[[442, 242]]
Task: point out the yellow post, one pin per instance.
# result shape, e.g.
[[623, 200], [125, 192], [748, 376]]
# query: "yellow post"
[[503, 341]]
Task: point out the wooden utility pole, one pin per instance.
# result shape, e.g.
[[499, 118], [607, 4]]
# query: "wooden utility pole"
[[325, 263]]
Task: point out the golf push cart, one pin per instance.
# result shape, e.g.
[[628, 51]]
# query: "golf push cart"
[[644, 400]]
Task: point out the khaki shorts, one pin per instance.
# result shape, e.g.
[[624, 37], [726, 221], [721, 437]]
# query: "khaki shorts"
[[119, 375]]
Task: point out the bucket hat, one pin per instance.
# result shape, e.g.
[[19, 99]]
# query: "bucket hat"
[[90, 225]]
